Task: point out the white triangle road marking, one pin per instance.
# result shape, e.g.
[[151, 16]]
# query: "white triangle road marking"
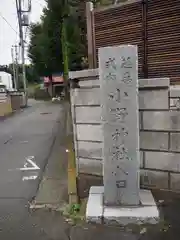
[[29, 161]]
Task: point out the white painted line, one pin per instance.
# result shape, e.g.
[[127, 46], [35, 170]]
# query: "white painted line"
[[29, 178], [27, 169], [33, 163]]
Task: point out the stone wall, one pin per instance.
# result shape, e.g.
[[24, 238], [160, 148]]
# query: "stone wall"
[[159, 114]]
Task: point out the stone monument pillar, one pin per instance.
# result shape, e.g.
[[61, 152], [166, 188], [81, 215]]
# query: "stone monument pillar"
[[120, 200], [118, 74]]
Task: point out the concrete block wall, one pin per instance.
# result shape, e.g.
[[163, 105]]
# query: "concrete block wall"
[[159, 115]]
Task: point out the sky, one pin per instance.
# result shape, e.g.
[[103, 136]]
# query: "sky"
[[9, 31]]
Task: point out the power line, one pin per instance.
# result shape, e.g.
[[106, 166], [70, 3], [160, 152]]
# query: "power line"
[[17, 25], [8, 23]]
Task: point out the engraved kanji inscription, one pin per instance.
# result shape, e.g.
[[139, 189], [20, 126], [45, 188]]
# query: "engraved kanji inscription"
[[111, 63], [126, 62], [127, 78], [115, 96], [118, 95], [119, 133], [125, 94], [119, 152], [119, 113], [120, 169], [121, 183], [110, 77]]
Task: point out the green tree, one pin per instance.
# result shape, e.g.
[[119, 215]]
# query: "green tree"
[[45, 49], [38, 49], [45, 45]]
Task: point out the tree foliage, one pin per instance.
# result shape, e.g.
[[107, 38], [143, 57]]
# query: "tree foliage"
[[45, 49]]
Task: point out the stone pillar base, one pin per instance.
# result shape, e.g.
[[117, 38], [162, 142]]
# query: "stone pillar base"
[[146, 213]]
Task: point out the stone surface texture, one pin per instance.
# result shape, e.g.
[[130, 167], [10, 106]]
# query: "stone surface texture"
[[154, 99], [120, 123], [94, 210], [146, 213]]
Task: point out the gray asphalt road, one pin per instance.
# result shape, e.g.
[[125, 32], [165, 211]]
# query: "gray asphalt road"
[[25, 143]]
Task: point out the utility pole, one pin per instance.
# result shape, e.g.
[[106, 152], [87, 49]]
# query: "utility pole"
[[23, 21], [14, 70], [17, 66], [22, 47], [72, 180]]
